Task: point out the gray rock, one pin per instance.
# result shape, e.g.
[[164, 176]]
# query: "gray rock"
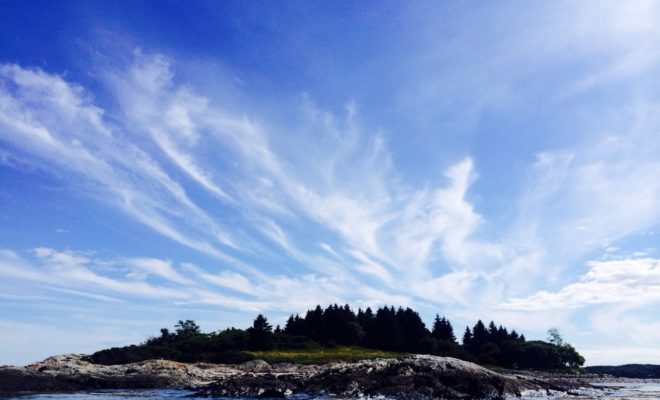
[[411, 376], [419, 376]]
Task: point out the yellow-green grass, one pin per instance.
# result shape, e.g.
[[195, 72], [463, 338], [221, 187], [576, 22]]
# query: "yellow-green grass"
[[321, 355]]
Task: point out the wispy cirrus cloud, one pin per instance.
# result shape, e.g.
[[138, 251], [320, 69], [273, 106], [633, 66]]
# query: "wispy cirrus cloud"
[[351, 196], [543, 155], [375, 225], [54, 124], [83, 274]]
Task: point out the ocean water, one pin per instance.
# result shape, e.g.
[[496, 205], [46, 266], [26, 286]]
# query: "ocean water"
[[146, 394], [611, 391], [617, 391]]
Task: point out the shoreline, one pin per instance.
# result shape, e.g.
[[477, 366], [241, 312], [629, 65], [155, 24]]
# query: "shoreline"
[[419, 376]]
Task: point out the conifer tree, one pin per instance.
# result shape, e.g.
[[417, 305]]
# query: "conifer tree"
[[386, 332], [388, 329], [289, 327], [412, 327], [260, 334], [467, 338], [296, 327], [479, 334], [365, 317], [502, 334], [492, 332], [366, 321], [314, 324], [443, 330]]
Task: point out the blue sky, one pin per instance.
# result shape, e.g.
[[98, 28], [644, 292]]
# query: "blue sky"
[[213, 160]]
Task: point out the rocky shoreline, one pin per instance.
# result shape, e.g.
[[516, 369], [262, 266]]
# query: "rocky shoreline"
[[419, 376]]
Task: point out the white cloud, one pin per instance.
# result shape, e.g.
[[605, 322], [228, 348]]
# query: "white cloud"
[[343, 187], [159, 268], [76, 269], [382, 227], [172, 116], [620, 282], [580, 199], [315, 208], [227, 279], [351, 190], [452, 288], [81, 274], [55, 126]]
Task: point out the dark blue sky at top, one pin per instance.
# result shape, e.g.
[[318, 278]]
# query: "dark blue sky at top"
[[340, 49]]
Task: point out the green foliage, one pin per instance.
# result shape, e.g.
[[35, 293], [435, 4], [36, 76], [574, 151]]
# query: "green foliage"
[[186, 328], [320, 355], [260, 335], [187, 345], [467, 337], [539, 355], [641, 371], [495, 346], [442, 329], [337, 333]]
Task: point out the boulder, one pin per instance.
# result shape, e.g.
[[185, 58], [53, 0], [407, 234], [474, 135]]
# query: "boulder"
[[419, 376]]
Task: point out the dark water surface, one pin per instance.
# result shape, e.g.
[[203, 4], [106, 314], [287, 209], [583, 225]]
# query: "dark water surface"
[[112, 395], [617, 391]]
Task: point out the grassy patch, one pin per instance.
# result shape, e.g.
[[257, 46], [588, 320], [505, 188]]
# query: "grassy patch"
[[321, 355]]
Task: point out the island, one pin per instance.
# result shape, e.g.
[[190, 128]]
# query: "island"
[[332, 351]]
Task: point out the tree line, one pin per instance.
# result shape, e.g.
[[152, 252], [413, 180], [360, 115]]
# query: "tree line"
[[388, 328]]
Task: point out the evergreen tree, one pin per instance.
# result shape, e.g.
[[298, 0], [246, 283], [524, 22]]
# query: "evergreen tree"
[[261, 324], [260, 334], [443, 330], [360, 315], [340, 325], [295, 326], [435, 330], [289, 327], [314, 324], [492, 332], [412, 327], [502, 335], [365, 318], [479, 335], [366, 321], [386, 332], [353, 334], [387, 329], [467, 338]]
